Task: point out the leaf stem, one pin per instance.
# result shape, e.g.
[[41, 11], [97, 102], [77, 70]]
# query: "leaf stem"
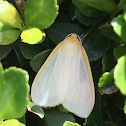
[[118, 8]]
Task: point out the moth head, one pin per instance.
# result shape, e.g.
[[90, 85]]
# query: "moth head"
[[72, 43], [74, 37]]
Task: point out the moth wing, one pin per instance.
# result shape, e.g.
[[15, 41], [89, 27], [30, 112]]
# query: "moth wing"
[[81, 96], [47, 85]]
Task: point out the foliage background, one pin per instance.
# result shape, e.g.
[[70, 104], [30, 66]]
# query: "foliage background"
[[21, 52]]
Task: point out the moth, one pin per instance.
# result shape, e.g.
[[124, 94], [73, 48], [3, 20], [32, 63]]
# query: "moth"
[[65, 78]]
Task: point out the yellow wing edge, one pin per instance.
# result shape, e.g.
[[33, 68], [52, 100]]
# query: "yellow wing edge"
[[46, 62], [87, 64]]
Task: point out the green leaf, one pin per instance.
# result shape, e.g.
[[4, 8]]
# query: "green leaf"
[[67, 123], [111, 112], [21, 61], [12, 122], [119, 100], [43, 37], [4, 50], [119, 26], [62, 109], [57, 118], [124, 12], [9, 36], [119, 51], [36, 109], [88, 10], [87, 20], [103, 5], [95, 44], [120, 74], [40, 14], [109, 124], [96, 117], [71, 9], [29, 51], [125, 108], [105, 79], [108, 62], [22, 119], [59, 2], [59, 31], [106, 83], [39, 59], [15, 93], [4, 27], [107, 31], [31, 35], [9, 15], [1, 80], [50, 44]]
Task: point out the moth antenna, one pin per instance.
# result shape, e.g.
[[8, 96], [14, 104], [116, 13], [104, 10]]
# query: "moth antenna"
[[88, 32], [44, 45]]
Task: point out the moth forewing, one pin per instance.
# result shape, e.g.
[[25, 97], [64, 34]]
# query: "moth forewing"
[[40, 91], [80, 97], [87, 64]]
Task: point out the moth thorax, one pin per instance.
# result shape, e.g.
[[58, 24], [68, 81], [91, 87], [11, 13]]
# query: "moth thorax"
[[71, 48]]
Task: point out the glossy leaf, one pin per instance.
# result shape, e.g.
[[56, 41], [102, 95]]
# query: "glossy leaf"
[[93, 119], [59, 2], [12, 122], [57, 118], [106, 83], [119, 100], [67, 123], [31, 35], [119, 51], [62, 109], [3, 30], [114, 112], [40, 14], [22, 119], [124, 13], [43, 37], [29, 51], [9, 36], [21, 61], [87, 20], [15, 93], [50, 44], [59, 31], [4, 50], [125, 108], [39, 59], [4, 27], [109, 124], [103, 5], [9, 15], [1, 80], [107, 31], [105, 79], [108, 62], [36, 109], [119, 26], [88, 10], [120, 74], [71, 9], [95, 44]]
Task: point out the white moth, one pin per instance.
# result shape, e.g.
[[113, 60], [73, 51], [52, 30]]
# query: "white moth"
[[65, 78]]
